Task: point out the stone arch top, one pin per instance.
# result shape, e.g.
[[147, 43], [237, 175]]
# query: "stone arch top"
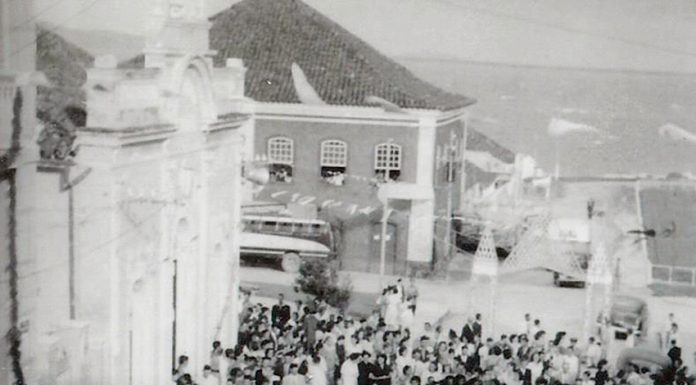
[[199, 70]]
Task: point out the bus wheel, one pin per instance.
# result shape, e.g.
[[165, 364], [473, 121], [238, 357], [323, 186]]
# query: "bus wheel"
[[291, 262]]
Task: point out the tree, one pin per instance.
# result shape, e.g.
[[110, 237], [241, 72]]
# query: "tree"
[[320, 279]]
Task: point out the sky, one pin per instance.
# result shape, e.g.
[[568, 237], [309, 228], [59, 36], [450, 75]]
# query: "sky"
[[646, 35]]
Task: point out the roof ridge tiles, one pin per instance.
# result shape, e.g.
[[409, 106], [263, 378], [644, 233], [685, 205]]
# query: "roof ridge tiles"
[[341, 67]]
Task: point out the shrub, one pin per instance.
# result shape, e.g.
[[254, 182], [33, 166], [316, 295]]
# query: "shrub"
[[320, 279]]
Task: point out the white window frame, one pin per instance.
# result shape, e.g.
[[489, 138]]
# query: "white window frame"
[[385, 160], [280, 150], [334, 153]]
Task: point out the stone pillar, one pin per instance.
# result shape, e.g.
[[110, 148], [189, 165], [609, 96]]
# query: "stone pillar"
[[420, 232]]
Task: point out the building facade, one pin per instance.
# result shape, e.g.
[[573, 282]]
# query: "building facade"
[[128, 250], [341, 155]]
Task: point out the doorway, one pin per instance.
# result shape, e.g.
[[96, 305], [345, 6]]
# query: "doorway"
[[391, 266]]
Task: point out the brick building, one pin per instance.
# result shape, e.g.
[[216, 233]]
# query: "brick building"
[[332, 113]]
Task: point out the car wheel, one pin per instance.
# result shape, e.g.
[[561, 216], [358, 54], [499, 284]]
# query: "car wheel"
[[291, 262]]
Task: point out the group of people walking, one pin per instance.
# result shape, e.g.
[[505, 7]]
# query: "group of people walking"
[[397, 304], [315, 344]]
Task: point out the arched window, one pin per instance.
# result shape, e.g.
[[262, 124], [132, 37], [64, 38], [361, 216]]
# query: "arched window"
[[388, 161], [281, 154], [334, 161]]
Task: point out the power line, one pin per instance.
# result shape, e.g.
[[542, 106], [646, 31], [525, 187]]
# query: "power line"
[[106, 243]]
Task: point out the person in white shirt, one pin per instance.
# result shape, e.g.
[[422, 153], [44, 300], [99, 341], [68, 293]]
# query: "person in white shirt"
[[349, 328], [434, 372], [535, 328], [573, 361], [182, 368], [349, 370], [400, 289], [664, 333], [633, 377], [367, 344], [226, 363], [526, 327], [407, 313], [419, 367], [317, 371], [587, 378], [630, 339], [428, 331], [485, 350], [391, 311], [353, 345], [208, 377], [293, 377], [565, 375], [594, 352], [534, 368], [672, 336], [403, 360]]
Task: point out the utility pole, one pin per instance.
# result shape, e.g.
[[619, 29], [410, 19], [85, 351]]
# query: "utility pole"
[[450, 156], [462, 183], [383, 242]]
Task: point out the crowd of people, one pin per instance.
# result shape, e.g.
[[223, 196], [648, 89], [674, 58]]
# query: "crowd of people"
[[315, 344]]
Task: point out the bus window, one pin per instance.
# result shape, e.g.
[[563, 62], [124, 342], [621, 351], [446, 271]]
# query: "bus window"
[[268, 226], [285, 227], [249, 225], [315, 228]]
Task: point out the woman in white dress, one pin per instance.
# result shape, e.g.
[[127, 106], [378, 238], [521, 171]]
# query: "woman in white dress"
[[407, 313], [391, 313], [317, 371]]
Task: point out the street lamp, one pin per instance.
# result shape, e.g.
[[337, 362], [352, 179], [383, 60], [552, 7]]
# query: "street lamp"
[[383, 240], [450, 156]]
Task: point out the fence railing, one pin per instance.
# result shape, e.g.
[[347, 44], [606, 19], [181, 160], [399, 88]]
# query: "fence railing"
[[674, 274]]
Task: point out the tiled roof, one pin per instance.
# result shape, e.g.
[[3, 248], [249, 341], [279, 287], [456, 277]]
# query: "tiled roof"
[[269, 35]]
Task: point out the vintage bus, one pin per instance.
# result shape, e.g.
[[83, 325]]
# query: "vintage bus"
[[289, 240]]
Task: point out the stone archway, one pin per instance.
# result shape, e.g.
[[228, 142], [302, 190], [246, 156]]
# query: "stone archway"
[[192, 110], [189, 81]]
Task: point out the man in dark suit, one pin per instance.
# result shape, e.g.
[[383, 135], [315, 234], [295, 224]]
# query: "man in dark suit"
[[477, 325], [674, 352], [364, 367], [280, 313], [468, 331], [310, 324]]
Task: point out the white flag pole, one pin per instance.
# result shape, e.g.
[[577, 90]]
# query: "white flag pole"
[[557, 170]]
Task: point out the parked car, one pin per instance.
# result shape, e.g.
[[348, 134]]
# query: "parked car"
[[564, 280], [628, 312], [579, 251], [642, 357]]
